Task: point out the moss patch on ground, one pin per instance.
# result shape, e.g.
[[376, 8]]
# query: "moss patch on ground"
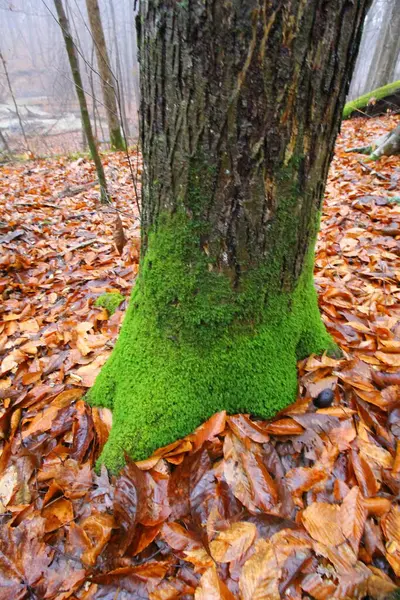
[[363, 100], [110, 301], [190, 345]]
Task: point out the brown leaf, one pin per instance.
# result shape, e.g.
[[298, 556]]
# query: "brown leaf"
[[234, 542], [353, 514], [285, 426], [58, 513], [260, 574], [243, 428], [98, 528], [322, 521], [245, 472], [211, 428], [211, 587], [303, 479], [119, 235], [377, 506], [128, 500]]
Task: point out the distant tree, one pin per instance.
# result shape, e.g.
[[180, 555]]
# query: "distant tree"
[[76, 74], [108, 81], [18, 115], [120, 81], [241, 103], [387, 50]]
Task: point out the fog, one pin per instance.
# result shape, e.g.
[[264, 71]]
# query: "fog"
[[32, 45]]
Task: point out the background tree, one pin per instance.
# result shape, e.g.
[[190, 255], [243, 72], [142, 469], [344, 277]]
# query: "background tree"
[[108, 81], [14, 102], [240, 107], [378, 25], [73, 60], [386, 53]]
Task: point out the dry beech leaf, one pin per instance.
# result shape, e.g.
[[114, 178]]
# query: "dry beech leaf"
[[353, 514], [119, 235], [234, 542], [8, 483], [58, 513], [260, 574], [211, 587], [322, 521]]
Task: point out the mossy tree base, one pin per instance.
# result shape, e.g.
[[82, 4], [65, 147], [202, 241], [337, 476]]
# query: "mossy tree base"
[[174, 367]]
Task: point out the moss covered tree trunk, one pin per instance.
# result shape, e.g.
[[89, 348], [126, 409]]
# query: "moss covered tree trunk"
[[240, 107]]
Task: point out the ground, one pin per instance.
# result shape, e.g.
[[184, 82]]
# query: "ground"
[[304, 506]]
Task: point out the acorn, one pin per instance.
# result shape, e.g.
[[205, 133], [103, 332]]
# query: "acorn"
[[324, 398]]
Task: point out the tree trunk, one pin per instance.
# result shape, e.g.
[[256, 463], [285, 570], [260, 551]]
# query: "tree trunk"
[[14, 102], [383, 65], [107, 77], [240, 107], [120, 83], [76, 74], [392, 48]]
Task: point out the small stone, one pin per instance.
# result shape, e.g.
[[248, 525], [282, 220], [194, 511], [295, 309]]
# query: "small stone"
[[324, 398]]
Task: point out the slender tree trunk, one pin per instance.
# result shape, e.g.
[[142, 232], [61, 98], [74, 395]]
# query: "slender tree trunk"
[[74, 63], [386, 52], [120, 82], [3, 140], [240, 106], [392, 47], [107, 78], [14, 102]]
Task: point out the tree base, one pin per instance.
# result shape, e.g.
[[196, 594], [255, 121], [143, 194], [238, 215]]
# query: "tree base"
[[160, 390], [192, 344]]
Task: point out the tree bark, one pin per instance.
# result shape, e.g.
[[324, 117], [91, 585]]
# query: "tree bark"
[[107, 77], [240, 107], [76, 75]]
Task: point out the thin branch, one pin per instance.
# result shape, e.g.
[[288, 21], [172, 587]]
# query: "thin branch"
[[14, 100]]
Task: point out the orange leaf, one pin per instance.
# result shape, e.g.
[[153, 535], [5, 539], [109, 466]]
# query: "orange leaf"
[[353, 514], [234, 542], [322, 521], [211, 587], [57, 514]]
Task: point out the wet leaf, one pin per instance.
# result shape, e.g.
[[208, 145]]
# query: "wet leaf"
[[233, 543]]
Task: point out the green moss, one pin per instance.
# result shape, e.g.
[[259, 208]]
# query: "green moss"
[[191, 345], [110, 301], [116, 140], [362, 101]]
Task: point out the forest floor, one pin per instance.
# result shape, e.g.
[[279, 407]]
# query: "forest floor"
[[305, 506]]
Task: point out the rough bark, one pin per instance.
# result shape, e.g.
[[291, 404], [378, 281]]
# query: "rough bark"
[[240, 107], [76, 75], [107, 78]]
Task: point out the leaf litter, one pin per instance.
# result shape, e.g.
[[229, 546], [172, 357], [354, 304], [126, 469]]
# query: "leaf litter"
[[303, 506]]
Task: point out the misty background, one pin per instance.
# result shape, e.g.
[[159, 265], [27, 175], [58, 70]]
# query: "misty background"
[[33, 49]]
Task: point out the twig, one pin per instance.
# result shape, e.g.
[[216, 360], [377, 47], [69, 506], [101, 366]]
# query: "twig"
[[81, 245], [73, 191], [370, 170]]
